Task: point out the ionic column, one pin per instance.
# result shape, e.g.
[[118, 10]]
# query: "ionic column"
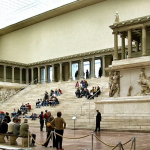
[[27, 76], [13, 74], [39, 74], [5, 73], [144, 41], [123, 47], [129, 44], [53, 73], [82, 71], [115, 46], [20, 75], [60, 72], [32, 75], [93, 67], [45, 74], [103, 60], [70, 68]]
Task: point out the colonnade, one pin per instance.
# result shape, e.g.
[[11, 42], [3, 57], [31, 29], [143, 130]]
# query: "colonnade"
[[34, 72], [130, 38]]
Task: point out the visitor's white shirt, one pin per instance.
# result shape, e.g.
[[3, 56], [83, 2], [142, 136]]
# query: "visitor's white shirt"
[[10, 126]]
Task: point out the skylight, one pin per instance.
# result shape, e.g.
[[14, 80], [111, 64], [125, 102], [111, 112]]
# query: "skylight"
[[13, 11]]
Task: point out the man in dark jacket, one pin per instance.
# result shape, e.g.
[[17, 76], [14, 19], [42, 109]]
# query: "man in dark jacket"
[[41, 116], [4, 126], [98, 120]]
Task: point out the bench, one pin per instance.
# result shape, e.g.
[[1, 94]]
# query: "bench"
[[2, 138], [13, 138]]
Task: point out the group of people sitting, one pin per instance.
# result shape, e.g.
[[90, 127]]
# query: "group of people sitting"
[[94, 92], [15, 127], [83, 84], [49, 100], [22, 111]]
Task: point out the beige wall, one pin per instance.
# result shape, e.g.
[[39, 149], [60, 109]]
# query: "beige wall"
[[83, 30]]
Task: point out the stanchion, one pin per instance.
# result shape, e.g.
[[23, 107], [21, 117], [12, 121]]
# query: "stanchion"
[[134, 145], [28, 139], [92, 141], [119, 145], [52, 132]]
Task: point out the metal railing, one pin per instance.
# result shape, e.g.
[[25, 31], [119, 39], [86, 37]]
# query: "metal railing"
[[75, 114]]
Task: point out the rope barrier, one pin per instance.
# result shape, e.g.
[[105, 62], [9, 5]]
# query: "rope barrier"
[[104, 142], [114, 146], [127, 142], [131, 145], [72, 138], [40, 143]]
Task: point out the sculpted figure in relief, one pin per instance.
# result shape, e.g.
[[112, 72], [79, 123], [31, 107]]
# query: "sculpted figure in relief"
[[114, 83], [129, 91], [145, 83]]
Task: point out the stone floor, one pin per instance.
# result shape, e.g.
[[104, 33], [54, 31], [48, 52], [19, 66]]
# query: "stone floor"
[[110, 138]]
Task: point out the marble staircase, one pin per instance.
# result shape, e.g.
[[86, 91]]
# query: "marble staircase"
[[69, 104]]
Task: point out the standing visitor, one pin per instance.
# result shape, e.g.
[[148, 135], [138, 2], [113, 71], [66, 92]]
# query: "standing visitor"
[[41, 116], [98, 120], [49, 129], [59, 124]]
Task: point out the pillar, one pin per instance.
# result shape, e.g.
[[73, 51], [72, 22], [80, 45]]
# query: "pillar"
[[70, 70], [115, 46], [81, 68], [5, 73], [45, 74], [144, 41], [39, 74], [32, 75], [60, 72], [123, 47], [53, 73], [103, 60], [20, 75], [93, 67], [13, 74], [27, 76], [129, 44]]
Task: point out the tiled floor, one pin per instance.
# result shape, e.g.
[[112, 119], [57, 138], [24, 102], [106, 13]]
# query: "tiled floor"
[[110, 138]]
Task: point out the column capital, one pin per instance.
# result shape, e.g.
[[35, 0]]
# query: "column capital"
[[144, 27], [115, 32]]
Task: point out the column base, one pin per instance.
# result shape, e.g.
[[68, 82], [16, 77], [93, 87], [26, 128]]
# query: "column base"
[[115, 58], [144, 54], [130, 57]]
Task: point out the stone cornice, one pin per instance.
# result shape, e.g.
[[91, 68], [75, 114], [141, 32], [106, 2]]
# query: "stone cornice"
[[142, 20], [74, 57], [49, 14]]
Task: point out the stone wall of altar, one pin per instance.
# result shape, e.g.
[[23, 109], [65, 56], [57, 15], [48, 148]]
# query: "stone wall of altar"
[[125, 106]]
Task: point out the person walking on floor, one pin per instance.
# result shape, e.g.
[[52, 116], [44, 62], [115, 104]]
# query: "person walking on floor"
[[41, 116], [98, 120]]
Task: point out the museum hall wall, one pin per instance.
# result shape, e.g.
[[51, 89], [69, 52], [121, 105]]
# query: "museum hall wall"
[[80, 31]]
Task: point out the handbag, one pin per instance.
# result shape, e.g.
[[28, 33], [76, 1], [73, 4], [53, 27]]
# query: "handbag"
[[48, 124]]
